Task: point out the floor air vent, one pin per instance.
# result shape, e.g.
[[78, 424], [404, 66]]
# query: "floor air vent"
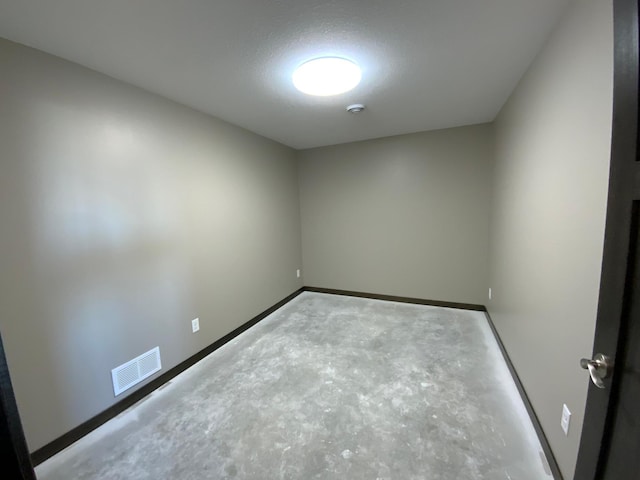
[[134, 371]]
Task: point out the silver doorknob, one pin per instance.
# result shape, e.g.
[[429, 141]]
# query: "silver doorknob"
[[599, 368]]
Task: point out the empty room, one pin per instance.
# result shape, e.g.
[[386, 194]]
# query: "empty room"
[[319, 239]]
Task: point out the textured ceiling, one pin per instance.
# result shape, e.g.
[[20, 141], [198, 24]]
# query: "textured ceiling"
[[427, 64]]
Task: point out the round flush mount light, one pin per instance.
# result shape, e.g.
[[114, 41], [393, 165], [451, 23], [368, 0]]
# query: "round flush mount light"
[[327, 76]]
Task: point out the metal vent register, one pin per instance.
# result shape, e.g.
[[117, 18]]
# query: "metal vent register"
[[134, 371]]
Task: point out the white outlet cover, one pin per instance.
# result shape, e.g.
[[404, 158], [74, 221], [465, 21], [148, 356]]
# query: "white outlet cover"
[[566, 419], [195, 325], [298, 273], [489, 293]]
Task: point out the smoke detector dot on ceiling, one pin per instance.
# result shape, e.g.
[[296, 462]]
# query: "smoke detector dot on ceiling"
[[355, 108], [327, 76]]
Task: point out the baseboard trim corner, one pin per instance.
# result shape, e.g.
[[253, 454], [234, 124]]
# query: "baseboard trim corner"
[[55, 446]]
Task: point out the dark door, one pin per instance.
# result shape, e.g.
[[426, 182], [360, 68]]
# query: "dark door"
[[610, 444], [16, 462]]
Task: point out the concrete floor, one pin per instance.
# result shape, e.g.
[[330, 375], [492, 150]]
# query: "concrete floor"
[[328, 387]]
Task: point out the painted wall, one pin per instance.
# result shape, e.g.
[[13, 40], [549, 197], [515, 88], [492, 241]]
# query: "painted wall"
[[405, 215], [550, 189], [124, 216]]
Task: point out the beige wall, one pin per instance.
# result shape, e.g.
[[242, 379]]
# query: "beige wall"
[[405, 215], [552, 159], [124, 216]]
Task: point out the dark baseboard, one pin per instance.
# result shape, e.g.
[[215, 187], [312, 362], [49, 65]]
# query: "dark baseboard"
[[393, 298], [60, 443], [553, 464]]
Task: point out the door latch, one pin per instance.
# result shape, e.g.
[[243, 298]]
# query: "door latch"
[[599, 368]]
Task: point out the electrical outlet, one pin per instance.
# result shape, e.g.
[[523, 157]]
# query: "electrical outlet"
[[298, 273], [489, 293], [195, 325], [566, 419]]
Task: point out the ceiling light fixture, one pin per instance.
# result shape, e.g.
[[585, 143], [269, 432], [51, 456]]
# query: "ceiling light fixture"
[[327, 76]]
